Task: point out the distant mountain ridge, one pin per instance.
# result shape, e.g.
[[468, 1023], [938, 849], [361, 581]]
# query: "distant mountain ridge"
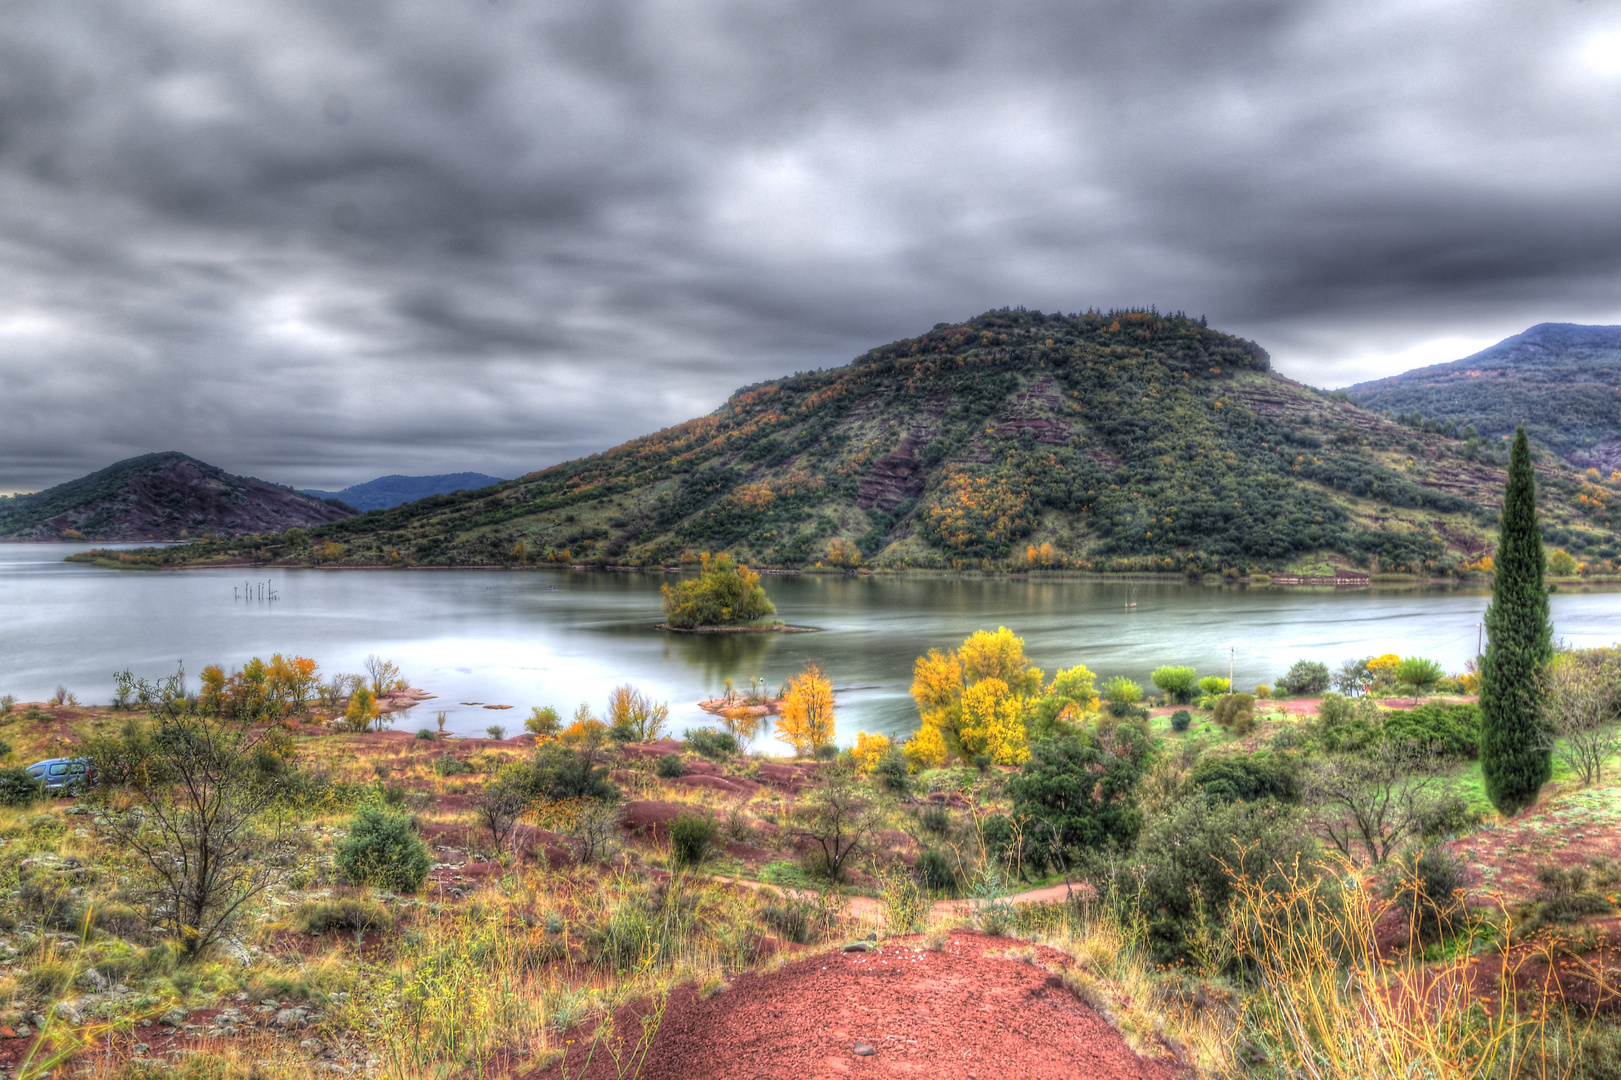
[[162, 496], [392, 490], [1561, 380], [1120, 441]]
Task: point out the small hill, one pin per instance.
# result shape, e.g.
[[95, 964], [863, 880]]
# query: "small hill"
[[163, 496], [390, 491], [1561, 380], [1120, 441]]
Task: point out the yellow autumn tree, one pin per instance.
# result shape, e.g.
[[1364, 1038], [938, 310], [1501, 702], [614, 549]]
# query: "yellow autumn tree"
[[869, 751], [1384, 667], [807, 712], [362, 710], [993, 723], [998, 656], [943, 685]]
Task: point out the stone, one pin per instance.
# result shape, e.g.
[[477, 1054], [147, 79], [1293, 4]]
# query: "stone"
[[69, 1012], [861, 1049], [174, 1017], [860, 946], [288, 1018], [312, 1046]]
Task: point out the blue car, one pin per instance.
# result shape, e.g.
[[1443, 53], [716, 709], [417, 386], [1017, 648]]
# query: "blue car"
[[64, 776]]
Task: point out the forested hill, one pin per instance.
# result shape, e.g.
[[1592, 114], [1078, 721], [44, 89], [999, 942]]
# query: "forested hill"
[[1561, 380], [161, 496], [1128, 440]]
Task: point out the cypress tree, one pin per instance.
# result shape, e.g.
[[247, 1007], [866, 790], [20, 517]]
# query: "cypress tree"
[[1515, 752]]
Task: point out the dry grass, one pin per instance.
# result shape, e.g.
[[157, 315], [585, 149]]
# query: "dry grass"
[[1326, 1001]]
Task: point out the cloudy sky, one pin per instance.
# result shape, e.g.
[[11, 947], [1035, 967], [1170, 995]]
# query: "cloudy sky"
[[321, 241]]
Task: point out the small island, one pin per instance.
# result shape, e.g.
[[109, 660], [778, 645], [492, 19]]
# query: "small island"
[[725, 598]]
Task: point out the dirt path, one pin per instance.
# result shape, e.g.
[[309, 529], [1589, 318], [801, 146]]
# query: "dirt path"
[[966, 1012]]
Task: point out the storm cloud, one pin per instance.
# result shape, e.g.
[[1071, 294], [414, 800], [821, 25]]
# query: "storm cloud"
[[320, 241]]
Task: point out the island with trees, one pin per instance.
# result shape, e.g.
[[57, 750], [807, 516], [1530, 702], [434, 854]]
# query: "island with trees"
[[726, 597]]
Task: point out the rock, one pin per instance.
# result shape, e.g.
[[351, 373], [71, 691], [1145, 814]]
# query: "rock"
[[69, 1011], [288, 1018], [6, 1032], [861, 1049], [174, 1017], [860, 946], [312, 1046]]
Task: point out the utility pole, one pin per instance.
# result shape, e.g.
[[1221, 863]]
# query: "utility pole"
[[1480, 643]]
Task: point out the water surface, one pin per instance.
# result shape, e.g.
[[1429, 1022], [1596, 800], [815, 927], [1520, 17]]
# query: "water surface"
[[562, 637]]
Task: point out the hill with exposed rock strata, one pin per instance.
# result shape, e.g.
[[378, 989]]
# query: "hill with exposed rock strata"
[[1120, 441]]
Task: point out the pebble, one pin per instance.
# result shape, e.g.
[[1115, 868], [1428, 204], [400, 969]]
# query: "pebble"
[[863, 1050]]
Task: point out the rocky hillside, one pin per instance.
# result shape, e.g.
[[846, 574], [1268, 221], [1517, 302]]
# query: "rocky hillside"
[[164, 496], [1562, 381], [1128, 440], [390, 491]]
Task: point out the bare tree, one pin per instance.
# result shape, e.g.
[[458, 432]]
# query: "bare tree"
[[502, 801], [1374, 800], [187, 797], [838, 817], [385, 675], [1582, 707]]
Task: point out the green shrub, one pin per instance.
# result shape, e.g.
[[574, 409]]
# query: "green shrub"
[[1450, 816], [1181, 720], [1452, 731], [893, 773], [711, 743], [1346, 725], [5, 749], [341, 913], [937, 872], [18, 788], [496, 732], [1429, 889], [1236, 711], [691, 836], [559, 773], [669, 767], [1229, 778], [383, 850], [1083, 786], [1183, 860], [1565, 894], [935, 819], [827, 752], [449, 766], [1307, 678]]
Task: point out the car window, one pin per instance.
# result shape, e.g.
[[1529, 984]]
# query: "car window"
[[58, 770]]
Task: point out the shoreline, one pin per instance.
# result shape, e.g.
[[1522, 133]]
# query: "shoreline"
[[782, 629]]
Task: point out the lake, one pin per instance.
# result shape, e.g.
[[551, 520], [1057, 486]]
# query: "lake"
[[560, 637]]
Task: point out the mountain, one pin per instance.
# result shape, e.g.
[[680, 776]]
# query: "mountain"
[[387, 491], [1121, 441], [1561, 380], [163, 496]]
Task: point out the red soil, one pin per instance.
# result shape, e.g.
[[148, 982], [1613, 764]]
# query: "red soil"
[[963, 1013]]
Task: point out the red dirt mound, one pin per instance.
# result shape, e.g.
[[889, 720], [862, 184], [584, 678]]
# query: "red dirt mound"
[[963, 1013]]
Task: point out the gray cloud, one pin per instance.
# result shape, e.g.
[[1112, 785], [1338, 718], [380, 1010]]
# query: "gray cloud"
[[320, 241]]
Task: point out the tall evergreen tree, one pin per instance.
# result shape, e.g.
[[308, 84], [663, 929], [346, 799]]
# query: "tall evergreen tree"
[[1515, 752]]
